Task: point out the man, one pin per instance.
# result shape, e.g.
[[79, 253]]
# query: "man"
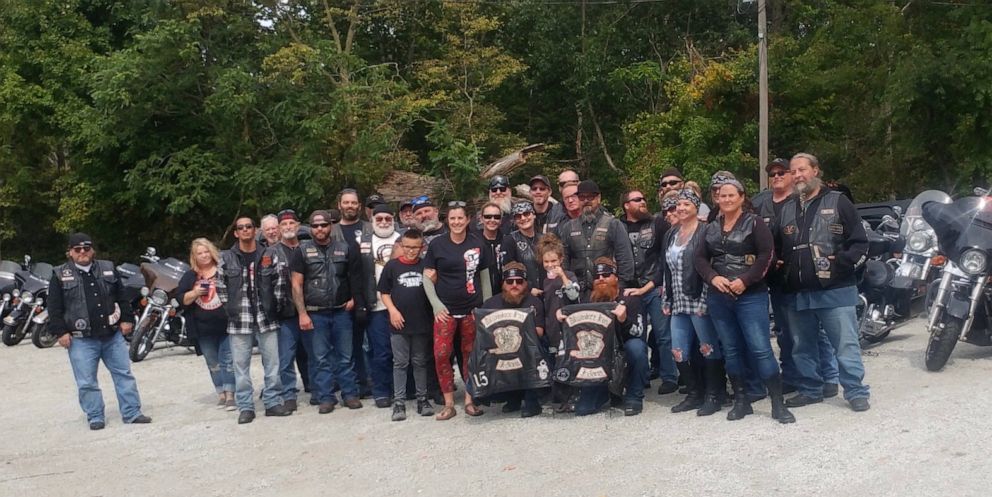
[[407, 219], [822, 242], [326, 282], [491, 218], [572, 208], [277, 257], [500, 195], [595, 234], [567, 177], [515, 294], [351, 227], [768, 204], [376, 249], [270, 230], [646, 233], [427, 219], [90, 316], [249, 318], [670, 180], [547, 214]]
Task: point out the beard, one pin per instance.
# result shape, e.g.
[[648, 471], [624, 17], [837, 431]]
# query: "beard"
[[604, 291], [349, 214], [640, 214], [803, 188], [513, 298], [588, 213], [384, 232], [429, 225], [289, 235], [505, 204]]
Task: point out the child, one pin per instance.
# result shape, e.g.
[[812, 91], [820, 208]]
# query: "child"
[[560, 289], [411, 319]]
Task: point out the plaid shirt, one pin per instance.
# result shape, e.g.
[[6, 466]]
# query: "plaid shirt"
[[249, 318], [682, 303]]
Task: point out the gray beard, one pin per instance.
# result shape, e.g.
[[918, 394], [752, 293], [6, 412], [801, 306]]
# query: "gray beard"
[[384, 232], [804, 189], [505, 205], [430, 225], [588, 216]]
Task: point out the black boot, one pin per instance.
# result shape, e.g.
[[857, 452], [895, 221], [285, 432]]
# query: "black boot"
[[716, 384], [694, 396], [742, 403], [779, 411]]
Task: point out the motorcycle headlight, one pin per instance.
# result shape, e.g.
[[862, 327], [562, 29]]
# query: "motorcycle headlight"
[[974, 261], [144, 291], [16, 293], [919, 224], [6, 297], [159, 297], [26, 297], [919, 241]]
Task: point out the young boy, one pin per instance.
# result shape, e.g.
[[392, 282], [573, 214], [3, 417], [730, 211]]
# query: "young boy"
[[411, 320]]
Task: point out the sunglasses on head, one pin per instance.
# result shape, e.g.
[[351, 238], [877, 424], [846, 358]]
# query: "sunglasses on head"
[[245, 226], [673, 182], [515, 281], [423, 199], [82, 249], [569, 182], [777, 174], [500, 189], [492, 217], [456, 203]]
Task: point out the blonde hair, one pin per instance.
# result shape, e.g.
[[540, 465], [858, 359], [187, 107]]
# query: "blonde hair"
[[203, 242], [695, 187]]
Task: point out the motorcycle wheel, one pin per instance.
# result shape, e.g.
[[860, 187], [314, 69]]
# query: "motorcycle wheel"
[[141, 340], [40, 336], [941, 344], [12, 334]]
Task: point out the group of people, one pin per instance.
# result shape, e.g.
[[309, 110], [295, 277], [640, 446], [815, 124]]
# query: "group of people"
[[383, 307]]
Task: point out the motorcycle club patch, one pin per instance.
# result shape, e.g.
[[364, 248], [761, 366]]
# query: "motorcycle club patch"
[[789, 230], [266, 261], [822, 263], [837, 229], [589, 333], [827, 212], [366, 247], [312, 252], [506, 355], [339, 253], [81, 325], [67, 275], [522, 245], [749, 259]]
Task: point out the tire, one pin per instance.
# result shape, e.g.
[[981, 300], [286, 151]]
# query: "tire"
[[941, 344], [13, 334], [142, 340], [40, 336]]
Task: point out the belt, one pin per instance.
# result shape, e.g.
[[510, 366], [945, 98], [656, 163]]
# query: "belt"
[[801, 246]]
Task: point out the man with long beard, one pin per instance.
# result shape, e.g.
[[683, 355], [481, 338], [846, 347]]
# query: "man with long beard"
[[426, 219], [595, 234], [822, 242], [350, 229], [500, 195]]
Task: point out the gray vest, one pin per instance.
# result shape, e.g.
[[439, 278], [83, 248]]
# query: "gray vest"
[[586, 242], [77, 315]]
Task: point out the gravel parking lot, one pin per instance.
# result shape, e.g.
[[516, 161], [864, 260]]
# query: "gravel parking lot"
[[926, 434]]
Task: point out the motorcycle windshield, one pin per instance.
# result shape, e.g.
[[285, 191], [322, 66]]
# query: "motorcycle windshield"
[[960, 225], [131, 275], [7, 271], [978, 210], [162, 275], [914, 213], [37, 280]]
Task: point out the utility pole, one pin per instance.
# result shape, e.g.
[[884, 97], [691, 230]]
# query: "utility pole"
[[762, 94]]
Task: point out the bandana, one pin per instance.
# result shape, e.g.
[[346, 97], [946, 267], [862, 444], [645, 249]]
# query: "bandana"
[[288, 214], [605, 269], [522, 208], [690, 195], [514, 273], [720, 178], [669, 203]]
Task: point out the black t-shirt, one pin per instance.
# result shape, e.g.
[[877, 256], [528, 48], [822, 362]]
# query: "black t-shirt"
[[498, 302], [206, 314], [496, 254], [458, 266], [405, 286], [351, 233]]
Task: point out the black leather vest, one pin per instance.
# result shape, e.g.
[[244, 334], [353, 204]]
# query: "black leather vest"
[[732, 254], [235, 278], [586, 242], [365, 246], [644, 269], [526, 256], [825, 237], [274, 272], [324, 272], [77, 315]]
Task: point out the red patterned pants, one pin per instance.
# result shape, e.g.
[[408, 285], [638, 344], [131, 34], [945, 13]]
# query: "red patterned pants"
[[444, 339]]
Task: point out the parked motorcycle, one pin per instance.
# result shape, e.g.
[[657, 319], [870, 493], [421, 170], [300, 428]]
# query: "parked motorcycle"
[[161, 317], [963, 303], [28, 314], [7, 285], [882, 307]]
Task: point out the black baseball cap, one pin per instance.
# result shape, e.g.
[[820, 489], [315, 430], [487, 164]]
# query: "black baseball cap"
[[374, 200], [542, 178], [588, 186], [80, 240], [778, 162]]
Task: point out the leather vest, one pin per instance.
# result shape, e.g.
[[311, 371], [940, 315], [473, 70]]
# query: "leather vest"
[[274, 272], [526, 256], [692, 282], [235, 279], [323, 274], [732, 254], [77, 315], [507, 356], [826, 235], [764, 207], [586, 242], [644, 269], [365, 252]]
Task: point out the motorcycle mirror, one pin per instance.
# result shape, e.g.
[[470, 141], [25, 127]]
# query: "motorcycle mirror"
[[144, 291], [151, 251], [897, 209], [174, 303], [27, 259], [981, 192]]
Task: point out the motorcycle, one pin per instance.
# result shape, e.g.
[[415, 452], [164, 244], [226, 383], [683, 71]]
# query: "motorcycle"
[[7, 285], [161, 317], [882, 307], [963, 302], [132, 281], [28, 314]]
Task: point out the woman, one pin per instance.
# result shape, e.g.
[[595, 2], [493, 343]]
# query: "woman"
[[520, 245], [685, 301], [203, 296], [456, 271], [734, 257]]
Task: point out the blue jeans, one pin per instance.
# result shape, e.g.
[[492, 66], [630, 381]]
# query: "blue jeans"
[[660, 339], [268, 348], [827, 366], [84, 356], [332, 345], [290, 337], [216, 351], [638, 378], [685, 327], [743, 326], [841, 327], [381, 365]]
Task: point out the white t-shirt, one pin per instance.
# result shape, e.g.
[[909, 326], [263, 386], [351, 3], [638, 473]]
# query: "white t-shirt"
[[382, 251]]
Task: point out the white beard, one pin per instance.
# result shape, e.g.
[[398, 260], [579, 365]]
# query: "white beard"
[[383, 232]]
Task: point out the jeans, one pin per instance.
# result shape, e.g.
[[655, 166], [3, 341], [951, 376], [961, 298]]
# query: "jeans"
[[410, 349], [381, 365], [827, 365], [217, 353], [638, 370], [685, 327], [332, 346], [660, 339], [290, 338], [743, 325], [268, 348], [841, 327], [84, 356]]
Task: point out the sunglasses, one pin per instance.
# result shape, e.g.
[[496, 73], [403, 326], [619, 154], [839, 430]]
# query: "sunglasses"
[[244, 227], [600, 276], [539, 189], [383, 219], [456, 203], [320, 225], [500, 189], [777, 174], [673, 182], [515, 281], [423, 199], [636, 199], [522, 215], [492, 217], [82, 249]]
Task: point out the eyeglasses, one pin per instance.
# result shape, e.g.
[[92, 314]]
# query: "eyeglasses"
[[673, 182], [319, 225], [412, 248], [492, 217], [383, 219], [499, 189], [240, 227], [636, 199], [82, 249], [456, 203], [600, 276], [777, 174], [515, 281]]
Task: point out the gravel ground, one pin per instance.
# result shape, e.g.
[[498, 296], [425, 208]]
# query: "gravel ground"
[[915, 440]]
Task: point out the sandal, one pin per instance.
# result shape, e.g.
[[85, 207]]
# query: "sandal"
[[473, 411], [447, 412]]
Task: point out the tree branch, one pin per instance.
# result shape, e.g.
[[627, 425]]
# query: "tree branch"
[[599, 137]]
